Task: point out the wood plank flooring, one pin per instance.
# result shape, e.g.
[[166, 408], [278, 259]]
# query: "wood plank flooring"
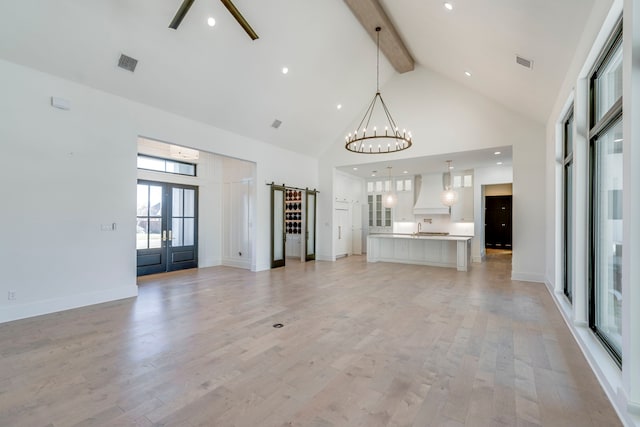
[[362, 345]]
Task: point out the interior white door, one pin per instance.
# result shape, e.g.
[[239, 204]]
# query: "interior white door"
[[342, 236]]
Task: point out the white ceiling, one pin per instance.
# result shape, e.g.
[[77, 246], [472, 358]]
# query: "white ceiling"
[[219, 76]]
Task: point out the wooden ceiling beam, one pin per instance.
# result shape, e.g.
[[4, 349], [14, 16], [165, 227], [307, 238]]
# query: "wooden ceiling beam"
[[371, 15]]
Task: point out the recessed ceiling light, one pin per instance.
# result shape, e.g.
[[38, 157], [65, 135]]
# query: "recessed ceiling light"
[[355, 169], [499, 163], [285, 70], [467, 73], [211, 22], [339, 106], [496, 153], [405, 172], [448, 6], [450, 167]]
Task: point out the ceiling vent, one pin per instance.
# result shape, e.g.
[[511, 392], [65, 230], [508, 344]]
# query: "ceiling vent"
[[128, 63], [276, 124], [527, 63]]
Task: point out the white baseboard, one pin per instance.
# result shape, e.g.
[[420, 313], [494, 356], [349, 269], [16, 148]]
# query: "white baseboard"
[[527, 277], [320, 257], [238, 263], [210, 263], [38, 308]]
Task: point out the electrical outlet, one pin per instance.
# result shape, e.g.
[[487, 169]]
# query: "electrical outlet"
[[11, 295]]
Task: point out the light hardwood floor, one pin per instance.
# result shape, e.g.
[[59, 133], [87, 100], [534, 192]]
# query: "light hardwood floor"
[[362, 345]]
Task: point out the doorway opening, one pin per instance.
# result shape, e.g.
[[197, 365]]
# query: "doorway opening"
[[224, 208], [293, 224], [167, 227], [497, 227]]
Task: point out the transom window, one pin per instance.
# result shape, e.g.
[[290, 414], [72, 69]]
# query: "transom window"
[[165, 165]]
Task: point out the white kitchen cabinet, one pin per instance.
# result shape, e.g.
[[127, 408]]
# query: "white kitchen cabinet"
[[462, 211]]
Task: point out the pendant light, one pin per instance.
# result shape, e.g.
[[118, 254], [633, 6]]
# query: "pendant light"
[[387, 138], [390, 198], [449, 196]]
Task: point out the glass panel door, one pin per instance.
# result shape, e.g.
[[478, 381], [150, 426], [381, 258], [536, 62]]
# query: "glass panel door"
[[167, 227], [182, 249], [310, 221], [277, 226], [151, 235]]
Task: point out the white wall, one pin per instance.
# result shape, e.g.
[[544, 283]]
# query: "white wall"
[[446, 117], [72, 171]]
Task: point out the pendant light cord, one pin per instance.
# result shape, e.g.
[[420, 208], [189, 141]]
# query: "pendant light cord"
[[378, 61]]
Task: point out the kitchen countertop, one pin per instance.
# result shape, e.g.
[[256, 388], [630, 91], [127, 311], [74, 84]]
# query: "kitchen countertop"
[[419, 236]]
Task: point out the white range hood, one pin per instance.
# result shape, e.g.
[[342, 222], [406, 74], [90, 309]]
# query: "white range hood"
[[428, 202]]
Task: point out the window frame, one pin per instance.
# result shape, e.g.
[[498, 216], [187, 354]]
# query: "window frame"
[[567, 161], [596, 129], [167, 161]]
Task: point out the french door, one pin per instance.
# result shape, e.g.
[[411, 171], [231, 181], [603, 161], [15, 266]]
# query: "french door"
[[167, 227]]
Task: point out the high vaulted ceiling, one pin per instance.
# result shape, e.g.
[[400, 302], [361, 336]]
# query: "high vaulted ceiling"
[[217, 75]]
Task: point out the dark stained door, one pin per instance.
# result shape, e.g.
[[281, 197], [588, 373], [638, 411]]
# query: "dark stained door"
[[151, 233], [497, 227], [167, 227]]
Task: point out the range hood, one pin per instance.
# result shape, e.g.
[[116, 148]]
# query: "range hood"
[[428, 202]]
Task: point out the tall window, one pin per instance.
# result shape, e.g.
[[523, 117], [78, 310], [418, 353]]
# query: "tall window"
[[568, 206], [605, 159]]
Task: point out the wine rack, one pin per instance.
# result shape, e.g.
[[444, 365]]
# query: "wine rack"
[[293, 211]]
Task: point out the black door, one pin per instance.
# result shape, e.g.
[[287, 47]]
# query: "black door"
[[497, 227], [167, 227]]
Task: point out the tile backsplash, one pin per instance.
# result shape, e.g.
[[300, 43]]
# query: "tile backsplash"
[[438, 223]]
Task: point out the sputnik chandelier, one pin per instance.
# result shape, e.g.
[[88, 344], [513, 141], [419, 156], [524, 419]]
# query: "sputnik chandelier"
[[366, 140]]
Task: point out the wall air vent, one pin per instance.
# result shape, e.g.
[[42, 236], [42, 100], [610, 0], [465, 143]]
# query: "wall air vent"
[[527, 63], [276, 124], [128, 63]]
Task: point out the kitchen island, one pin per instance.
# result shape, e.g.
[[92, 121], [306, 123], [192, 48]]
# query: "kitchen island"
[[440, 251]]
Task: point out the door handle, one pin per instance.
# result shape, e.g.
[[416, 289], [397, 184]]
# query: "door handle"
[[170, 235], [164, 235]]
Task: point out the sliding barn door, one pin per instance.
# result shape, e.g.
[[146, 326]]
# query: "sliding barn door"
[[278, 235]]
